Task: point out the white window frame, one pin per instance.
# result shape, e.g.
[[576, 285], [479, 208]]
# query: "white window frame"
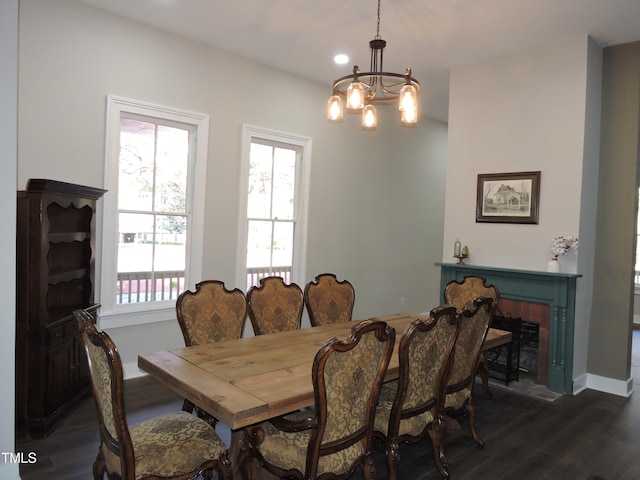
[[249, 133], [113, 315]]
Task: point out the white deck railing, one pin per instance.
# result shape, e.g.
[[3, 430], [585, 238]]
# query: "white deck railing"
[[138, 287], [256, 273]]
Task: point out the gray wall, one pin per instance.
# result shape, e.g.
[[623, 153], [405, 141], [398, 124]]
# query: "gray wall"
[[612, 310], [375, 205], [8, 155]]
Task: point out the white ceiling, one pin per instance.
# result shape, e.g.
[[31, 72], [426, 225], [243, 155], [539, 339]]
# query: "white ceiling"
[[430, 36]]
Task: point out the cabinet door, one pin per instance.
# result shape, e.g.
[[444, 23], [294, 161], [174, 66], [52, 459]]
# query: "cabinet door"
[[82, 378], [60, 372]]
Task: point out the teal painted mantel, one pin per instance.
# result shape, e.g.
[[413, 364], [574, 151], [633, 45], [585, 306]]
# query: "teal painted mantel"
[[558, 290]]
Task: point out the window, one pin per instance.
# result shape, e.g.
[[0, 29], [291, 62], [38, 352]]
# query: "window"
[[275, 173], [155, 170]]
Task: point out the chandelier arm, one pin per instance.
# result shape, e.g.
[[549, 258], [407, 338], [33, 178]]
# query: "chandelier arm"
[[342, 81]]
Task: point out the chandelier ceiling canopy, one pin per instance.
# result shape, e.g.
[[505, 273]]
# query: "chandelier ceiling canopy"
[[362, 91]]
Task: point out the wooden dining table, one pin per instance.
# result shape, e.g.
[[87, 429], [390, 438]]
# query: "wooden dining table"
[[249, 380]]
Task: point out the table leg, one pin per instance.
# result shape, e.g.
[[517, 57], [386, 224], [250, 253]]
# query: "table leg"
[[483, 370]]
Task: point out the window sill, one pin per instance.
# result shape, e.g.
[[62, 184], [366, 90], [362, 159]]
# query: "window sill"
[[129, 318]]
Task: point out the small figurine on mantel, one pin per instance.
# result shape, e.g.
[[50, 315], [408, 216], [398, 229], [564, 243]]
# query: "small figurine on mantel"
[[460, 253]]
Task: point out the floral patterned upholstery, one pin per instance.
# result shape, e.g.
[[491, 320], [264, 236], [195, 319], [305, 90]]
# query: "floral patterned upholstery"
[[347, 377], [275, 306], [463, 294], [171, 444], [328, 300], [176, 445], [288, 451], [211, 313], [409, 406], [411, 426], [473, 325]]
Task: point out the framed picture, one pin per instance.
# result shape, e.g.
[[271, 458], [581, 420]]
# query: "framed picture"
[[508, 197]]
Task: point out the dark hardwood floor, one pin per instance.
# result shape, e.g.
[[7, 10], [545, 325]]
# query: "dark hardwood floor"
[[592, 435]]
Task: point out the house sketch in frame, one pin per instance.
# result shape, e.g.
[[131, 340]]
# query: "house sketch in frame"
[[508, 197]]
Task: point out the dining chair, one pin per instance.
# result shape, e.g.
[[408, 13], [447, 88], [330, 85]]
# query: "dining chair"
[[329, 300], [473, 324], [462, 294], [275, 306], [172, 446], [412, 407], [210, 314], [337, 437]]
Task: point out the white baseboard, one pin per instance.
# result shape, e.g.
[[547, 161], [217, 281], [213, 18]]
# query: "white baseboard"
[[579, 384], [622, 388]]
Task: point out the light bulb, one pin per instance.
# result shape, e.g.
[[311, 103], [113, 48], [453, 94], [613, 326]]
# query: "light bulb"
[[334, 109], [369, 118], [409, 117], [355, 96], [408, 98]]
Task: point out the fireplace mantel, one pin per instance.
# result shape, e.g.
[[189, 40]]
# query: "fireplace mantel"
[[558, 290]]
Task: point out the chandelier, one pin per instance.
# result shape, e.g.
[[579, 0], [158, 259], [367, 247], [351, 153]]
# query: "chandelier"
[[362, 91]]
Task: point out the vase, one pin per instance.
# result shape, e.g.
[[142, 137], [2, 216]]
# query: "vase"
[[553, 265]]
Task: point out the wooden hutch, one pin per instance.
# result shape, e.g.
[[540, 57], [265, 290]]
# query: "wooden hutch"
[[55, 275]]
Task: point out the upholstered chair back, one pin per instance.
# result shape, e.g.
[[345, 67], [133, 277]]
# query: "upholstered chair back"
[[107, 381], [211, 313], [473, 324], [413, 404], [329, 300], [425, 352], [472, 330], [463, 293], [275, 306], [347, 379], [336, 437]]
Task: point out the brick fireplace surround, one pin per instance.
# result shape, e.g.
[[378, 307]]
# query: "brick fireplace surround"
[[540, 314], [545, 298]]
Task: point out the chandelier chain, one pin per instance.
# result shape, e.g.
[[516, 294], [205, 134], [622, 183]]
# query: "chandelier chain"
[[378, 25]]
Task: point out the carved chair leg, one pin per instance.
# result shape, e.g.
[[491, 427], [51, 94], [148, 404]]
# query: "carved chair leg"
[[244, 460], [471, 410], [224, 467], [99, 465], [393, 459], [368, 469], [436, 434]]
